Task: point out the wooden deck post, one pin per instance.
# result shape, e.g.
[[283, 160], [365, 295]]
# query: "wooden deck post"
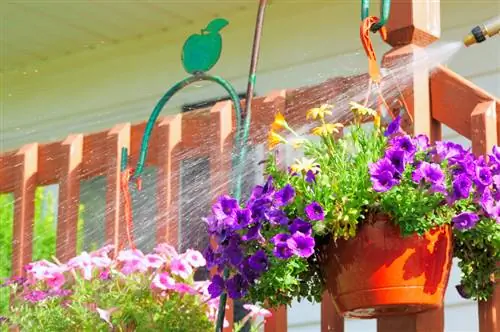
[[414, 24]]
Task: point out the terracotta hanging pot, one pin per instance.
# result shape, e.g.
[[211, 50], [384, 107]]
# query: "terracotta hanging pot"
[[381, 273]]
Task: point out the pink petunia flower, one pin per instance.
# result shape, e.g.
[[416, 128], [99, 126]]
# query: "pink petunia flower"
[[155, 261], [54, 279], [167, 250], [194, 258], [163, 281], [256, 311], [183, 288], [133, 261], [82, 262], [181, 268]]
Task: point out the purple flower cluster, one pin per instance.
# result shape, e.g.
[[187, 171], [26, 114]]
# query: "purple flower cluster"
[[240, 245], [445, 168]]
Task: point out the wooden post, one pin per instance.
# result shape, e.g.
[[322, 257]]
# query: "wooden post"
[[331, 320], [168, 158], [26, 161], [69, 196], [414, 24], [484, 137], [117, 138]]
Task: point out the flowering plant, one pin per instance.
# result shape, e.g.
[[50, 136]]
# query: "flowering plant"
[[270, 244], [134, 292]]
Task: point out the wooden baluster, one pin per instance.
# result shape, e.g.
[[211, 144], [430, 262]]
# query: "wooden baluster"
[[220, 132], [168, 159], [411, 26], [331, 320], [484, 137], [278, 322], [26, 169], [117, 138], [70, 163]]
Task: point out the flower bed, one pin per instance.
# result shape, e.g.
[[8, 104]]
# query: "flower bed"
[[375, 206], [134, 292]]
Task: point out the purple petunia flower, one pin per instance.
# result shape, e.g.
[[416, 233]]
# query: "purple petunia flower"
[[394, 127], [279, 238], [383, 181], [209, 256], [431, 173], [237, 286], [216, 286], [462, 186], [483, 176], [277, 217], [259, 261], [404, 143], [449, 150], [284, 196], [310, 177], [248, 273], [225, 207], [397, 159], [301, 245], [465, 220], [234, 254], [382, 166], [282, 251], [490, 206], [299, 225], [422, 142], [314, 211], [243, 218], [253, 233]]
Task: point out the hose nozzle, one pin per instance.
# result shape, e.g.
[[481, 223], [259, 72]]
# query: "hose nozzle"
[[479, 33]]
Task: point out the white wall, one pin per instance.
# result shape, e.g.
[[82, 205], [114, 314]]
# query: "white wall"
[[304, 43]]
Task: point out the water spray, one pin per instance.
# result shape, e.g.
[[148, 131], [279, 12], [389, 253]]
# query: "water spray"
[[481, 32]]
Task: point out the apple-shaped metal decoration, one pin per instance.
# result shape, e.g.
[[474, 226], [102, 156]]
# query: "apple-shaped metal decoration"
[[202, 51]]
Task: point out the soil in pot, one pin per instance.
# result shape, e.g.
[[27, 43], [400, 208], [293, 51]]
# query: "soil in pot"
[[381, 273]]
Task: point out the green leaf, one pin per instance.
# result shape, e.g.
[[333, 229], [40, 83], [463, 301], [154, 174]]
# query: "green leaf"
[[216, 25]]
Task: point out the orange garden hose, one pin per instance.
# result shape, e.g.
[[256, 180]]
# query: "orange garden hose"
[[373, 67], [127, 204]]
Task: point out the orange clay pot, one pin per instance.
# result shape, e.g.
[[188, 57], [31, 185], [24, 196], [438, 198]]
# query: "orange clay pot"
[[380, 273]]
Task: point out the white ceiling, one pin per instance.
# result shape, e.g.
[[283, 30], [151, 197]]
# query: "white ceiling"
[[33, 31]]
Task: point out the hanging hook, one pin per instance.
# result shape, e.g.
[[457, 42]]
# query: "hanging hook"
[[385, 8]]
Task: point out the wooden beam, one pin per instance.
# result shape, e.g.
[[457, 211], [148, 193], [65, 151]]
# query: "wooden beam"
[[454, 99], [331, 320]]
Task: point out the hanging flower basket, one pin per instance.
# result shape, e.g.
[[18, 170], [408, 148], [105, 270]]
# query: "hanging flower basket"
[[369, 216], [381, 273]]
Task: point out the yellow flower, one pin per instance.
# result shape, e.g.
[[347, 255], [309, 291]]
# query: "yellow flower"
[[362, 110], [319, 112], [274, 139], [279, 122], [327, 129], [305, 165], [376, 121]]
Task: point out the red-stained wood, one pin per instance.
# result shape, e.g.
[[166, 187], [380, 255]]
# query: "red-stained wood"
[[117, 138], [416, 22], [454, 98], [278, 322], [331, 320], [483, 127], [70, 162], [220, 147], [483, 138], [489, 311], [6, 170], [95, 154], [25, 178], [168, 185]]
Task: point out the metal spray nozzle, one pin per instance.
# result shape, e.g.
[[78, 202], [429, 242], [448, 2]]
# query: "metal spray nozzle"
[[479, 33]]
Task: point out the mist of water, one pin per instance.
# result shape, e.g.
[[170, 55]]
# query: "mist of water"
[[195, 177]]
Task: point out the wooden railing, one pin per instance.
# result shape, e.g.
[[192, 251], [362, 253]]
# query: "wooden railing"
[[441, 98]]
